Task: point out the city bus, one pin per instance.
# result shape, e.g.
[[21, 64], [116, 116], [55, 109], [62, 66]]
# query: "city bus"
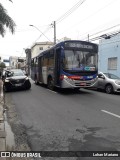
[[68, 64]]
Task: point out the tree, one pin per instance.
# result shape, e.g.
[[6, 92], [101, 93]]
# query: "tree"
[[6, 21], [2, 65]]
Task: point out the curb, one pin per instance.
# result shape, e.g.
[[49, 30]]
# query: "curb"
[[2, 124]]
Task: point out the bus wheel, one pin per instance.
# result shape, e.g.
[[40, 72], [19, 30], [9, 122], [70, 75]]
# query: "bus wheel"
[[50, 83]]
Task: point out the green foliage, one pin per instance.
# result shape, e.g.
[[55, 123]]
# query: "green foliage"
[[2, 65], [5, 21]]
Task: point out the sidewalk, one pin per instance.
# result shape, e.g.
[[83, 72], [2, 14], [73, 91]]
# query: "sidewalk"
[[2, 126]]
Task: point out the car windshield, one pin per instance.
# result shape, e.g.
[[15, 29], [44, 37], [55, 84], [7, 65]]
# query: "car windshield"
[[111, 76], [17, 73]]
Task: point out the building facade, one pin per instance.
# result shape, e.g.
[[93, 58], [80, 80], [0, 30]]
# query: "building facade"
[[17, 62], [109, 55], [13, 61], [39, 47]]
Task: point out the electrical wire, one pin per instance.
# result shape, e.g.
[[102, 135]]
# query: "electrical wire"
[[102, 30], [70, 11], [43, 33], [89, 16], [106, 35]]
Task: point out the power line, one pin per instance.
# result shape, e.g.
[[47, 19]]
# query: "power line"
[[71, 10], [40, 32], [105, 36], [44, 33], [104, 30], [91, 15]]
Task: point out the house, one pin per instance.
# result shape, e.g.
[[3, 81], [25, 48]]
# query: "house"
[[34, 51], [13, 61], [39, 47], [109, 55]]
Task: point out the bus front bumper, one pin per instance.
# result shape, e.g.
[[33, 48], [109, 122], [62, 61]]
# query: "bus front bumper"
[[69, 83]]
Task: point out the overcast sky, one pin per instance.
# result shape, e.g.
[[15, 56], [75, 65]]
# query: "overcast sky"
[[90, 17]]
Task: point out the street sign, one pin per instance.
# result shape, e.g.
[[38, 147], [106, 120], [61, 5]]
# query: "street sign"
[[6, 60]]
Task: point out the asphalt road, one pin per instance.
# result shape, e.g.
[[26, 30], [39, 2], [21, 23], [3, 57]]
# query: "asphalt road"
[[69, 121]]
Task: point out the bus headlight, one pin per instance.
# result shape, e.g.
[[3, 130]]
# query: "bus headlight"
[[63, 77]]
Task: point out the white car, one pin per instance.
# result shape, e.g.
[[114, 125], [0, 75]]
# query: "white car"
[[108, 82]]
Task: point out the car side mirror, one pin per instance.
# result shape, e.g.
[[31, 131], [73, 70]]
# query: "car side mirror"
[[101, 76], [9, 74]]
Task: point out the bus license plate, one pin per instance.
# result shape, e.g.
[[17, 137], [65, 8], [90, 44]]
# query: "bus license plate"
[[83, 84]]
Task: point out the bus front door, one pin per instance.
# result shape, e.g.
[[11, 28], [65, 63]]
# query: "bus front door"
[[40, 69], [57, 67]]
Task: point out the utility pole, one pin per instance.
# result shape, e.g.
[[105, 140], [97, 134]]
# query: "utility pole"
[[54, 32], [88, 37]]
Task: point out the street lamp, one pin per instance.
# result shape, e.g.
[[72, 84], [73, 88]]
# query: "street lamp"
[[40, 31]]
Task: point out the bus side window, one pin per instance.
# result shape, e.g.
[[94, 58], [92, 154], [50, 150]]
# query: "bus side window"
[[31, 62], [51, 58]]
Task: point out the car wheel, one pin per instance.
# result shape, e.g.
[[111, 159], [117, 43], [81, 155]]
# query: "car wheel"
[[5, 88], [29, 86], [109, 89], [50, 83]]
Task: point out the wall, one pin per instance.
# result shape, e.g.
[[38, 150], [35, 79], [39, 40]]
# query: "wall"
[[109, 48], [35, 49]]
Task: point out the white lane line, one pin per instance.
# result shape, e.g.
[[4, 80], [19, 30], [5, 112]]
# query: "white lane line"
[[115, 115], [51, 91]]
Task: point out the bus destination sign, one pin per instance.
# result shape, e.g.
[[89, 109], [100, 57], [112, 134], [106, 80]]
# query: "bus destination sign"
[[78, 45]]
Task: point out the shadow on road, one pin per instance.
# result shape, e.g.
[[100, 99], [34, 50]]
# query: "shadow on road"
[[67, 91], [72, 91]]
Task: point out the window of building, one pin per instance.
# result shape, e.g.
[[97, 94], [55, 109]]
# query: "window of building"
[[40, 48], [112, 63]]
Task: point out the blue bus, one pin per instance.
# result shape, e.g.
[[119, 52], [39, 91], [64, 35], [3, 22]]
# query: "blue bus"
[[68, 64]]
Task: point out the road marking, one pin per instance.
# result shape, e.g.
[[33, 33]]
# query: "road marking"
[[115, 115], [51, 91]]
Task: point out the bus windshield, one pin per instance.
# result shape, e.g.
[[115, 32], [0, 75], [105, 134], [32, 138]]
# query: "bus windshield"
[[79, 60]]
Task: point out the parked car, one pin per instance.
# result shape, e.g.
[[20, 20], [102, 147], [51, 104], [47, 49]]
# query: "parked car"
[[108, 82], [24, 72], [15, 79]]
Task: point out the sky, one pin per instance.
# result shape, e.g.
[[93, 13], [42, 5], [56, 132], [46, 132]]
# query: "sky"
[[91, 17]]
